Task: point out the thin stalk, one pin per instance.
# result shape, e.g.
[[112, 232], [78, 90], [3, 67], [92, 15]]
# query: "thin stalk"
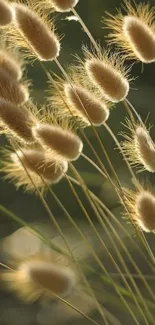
[[76, 309], [135, 181], [64, 239], [114, 300], [134, 111], [129, 256], [20, 221], [103, 149], [32, 229], [121, 194], [92, 126], [85, 29], [104, 207], [77, 228], [136, 276], [90, 222], [121, 151], [114, 245], [93, 164], [75, 225], [6, 266], [96, 134], [130, 107], [82, 132]]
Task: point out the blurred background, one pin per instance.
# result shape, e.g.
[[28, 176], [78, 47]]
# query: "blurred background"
[[17, 242]]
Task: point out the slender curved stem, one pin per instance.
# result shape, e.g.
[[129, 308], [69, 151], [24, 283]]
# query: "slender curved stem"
[[62, 235], [115, 233], [85, 29], [93, 164], [112, 216]]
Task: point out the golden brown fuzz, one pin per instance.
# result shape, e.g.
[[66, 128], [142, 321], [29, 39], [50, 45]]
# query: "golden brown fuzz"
[[141, 39], [37, 34], [40, 277], [53, 278], [84, 105], [139, 148], [16, 121], [63, 5], [36, 161], [63, 143], [11, 90], [27, 165], [114, 86], [6, 14], [11, 63], [145, 211], [145, 148], [134, 32]]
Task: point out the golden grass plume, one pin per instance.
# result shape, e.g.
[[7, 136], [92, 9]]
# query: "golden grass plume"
[[11, 62], [40, 276], [12, 90], [34, 32], [134, 32], [141, 205], [16, 121], [6, 13], [62, 142], [139, 147], [58, 5], [24, 162], [107, 71]]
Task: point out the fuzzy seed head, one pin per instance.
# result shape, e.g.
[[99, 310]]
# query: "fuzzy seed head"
[[52, 278], [145, 148], [10, 64], [37, 278], [114, 86], [145, 211], [11, 90], [25, 165], [139, 147], [63, 143], [134, 32], [35, 161], [16, 120], [141, 38], [64, 5], [85, 105], [37, 34], [6, 15]]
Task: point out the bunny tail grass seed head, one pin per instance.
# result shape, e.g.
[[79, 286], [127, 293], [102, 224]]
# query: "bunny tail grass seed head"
[[134, 32], [35, 160], [84, 105], [6, 13], [40, 277], [62, 142], [141, 205], [11, 90], [12, 63], [15, 120], [63, 5], [23, 165], [107, 72], [145, 211], [35, 33], [139, 148]]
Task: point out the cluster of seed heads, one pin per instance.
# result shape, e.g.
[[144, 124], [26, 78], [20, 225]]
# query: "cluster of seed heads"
[[44, 148]]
